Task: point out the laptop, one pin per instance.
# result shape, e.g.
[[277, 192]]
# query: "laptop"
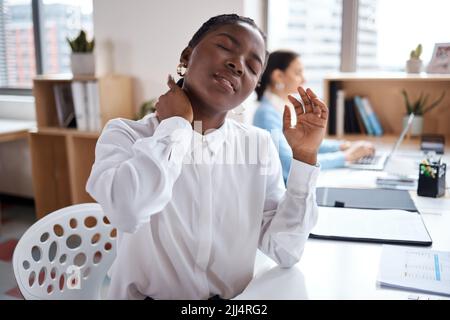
[[379, 161]]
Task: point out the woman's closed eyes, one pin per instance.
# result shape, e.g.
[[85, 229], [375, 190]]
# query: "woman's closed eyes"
[[248, 64], [228, 47], [252, 70], [223, 47]]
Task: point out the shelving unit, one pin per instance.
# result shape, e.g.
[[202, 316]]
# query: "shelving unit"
[[62, 158], [384, 93]]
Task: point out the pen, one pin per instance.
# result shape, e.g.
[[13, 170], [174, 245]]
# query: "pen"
[[427, 169]]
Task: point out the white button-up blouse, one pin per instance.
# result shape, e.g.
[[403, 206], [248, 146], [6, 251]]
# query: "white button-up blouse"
[[191, 209]]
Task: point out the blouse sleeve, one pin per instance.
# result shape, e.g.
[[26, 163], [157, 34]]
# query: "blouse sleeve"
[[132, 178], [289, 214], [330, 146], [331, 160]]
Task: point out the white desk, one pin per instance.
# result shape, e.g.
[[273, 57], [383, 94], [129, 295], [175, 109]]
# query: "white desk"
[[15, 129], [348, 270]]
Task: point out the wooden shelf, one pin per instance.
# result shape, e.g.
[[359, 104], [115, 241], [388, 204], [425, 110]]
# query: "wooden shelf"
[[115, 95], [63, 77], [62, 158], [51, 181], [81, 152], [53, 131], [384, 93]]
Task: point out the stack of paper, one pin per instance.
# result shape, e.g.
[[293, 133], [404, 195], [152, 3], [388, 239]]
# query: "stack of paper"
[[433, 205], [415, 269]]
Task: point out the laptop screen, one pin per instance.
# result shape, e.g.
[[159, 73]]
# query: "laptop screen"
[[402, 135]]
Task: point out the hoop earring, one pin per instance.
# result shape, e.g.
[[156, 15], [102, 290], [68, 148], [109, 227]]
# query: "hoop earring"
[[240, 111], [181, 69]]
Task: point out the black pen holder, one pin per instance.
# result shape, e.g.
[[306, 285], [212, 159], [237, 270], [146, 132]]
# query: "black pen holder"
[[431, 180]]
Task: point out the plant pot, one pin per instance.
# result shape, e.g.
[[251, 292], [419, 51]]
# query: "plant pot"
[[82, 64], [414, 66], [416, 125]]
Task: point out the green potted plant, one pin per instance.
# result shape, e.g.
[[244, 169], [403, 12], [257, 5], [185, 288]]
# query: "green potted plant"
[[146, 107], [414, 64], [82, 59], [419, 107]]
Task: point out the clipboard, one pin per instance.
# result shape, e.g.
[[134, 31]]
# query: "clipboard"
[[375, 222]]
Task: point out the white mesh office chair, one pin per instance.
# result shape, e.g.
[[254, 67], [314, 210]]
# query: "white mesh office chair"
[[66, 254]]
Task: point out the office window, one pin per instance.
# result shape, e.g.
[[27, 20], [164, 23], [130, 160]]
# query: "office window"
[[57, 18], [389, 30], [367, 35], [311, 28], [17, 58], [61, 19]]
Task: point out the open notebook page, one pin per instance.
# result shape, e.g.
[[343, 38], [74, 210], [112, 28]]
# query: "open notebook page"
[[394, 225]]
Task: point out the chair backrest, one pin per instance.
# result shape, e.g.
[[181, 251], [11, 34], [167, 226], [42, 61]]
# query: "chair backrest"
[[66, 254]]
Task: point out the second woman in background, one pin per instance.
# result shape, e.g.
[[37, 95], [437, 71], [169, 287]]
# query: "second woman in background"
[[281, 78]]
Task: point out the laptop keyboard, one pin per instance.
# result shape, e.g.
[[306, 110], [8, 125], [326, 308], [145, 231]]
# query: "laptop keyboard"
[[368, 160]]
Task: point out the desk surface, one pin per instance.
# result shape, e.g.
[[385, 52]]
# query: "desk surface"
[[15, 129], [348, 270]]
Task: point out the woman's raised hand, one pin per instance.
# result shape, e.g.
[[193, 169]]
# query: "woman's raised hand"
[[307, 134]]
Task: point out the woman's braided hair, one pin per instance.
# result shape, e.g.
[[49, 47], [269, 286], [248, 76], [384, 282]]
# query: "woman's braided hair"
[[221, 20]]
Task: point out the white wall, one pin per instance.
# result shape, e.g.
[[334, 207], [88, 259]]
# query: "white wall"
[[147, 37]]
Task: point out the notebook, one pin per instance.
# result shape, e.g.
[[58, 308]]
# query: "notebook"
[[368, 225], [369, 215]]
